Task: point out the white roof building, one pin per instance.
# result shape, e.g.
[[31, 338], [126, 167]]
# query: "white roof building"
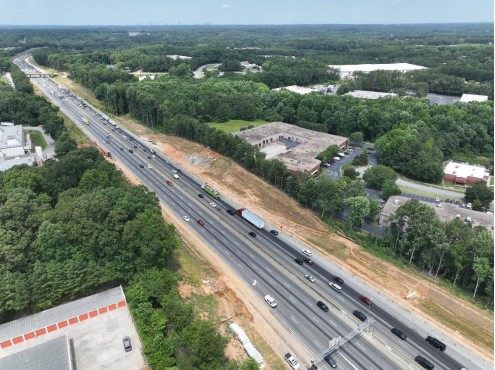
[[13, 142], [362, 94], [297, 89], [465, 173], [466, 98], [346, 71]]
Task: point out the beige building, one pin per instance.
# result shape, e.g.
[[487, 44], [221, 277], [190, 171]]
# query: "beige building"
[[446, 212], [295, 146]]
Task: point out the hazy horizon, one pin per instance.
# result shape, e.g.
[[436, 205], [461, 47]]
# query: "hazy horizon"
[[243, 12]]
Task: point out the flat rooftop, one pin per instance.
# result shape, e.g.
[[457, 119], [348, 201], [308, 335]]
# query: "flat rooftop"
[[94, 325], [52, 354], [297, 89], [466, 98], [401, 67], [466, 170], [301, 157], [446, 213], [363, 94]]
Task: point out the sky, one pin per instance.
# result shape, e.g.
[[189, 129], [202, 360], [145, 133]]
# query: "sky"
[[174, 12]]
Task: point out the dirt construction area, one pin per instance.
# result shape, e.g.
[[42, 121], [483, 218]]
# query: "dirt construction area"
[[458, 318]]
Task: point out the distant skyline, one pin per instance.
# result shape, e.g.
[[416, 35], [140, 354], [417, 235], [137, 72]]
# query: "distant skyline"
[[242, 12]]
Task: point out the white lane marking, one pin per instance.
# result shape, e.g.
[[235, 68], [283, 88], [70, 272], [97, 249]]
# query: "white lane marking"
[[222, 232], [308, 303], [236, 243], [251, 255], [357, 344], [240, 265], [318, 344], [271, 281], [345, 358], [268, 269], [227, 252], [287, 285], [314, 318], [292, 299], [331, 322], [293, 319], [254, 267]]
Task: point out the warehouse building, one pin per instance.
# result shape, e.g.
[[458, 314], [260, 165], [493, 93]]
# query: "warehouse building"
[[362, 94], [347, 71], [82, 334], [295, 146]]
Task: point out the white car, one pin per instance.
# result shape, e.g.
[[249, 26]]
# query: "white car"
[[176, 176], [213, 204], [150, 166], [271, 301], [307, 252], [187, 219], [174, 170], [310, 278]]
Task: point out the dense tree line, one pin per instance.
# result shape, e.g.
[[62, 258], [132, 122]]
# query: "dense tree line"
[[21, 81], [430, 134], [25, 108], [455, 251], [74, 227], [173, 336]]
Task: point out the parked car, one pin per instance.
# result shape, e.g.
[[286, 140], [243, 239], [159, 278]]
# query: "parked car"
[[338, 280], [201, 222], [253, 234], [127, 344], [187, 219], [298, 261], [213, 204], [274, 232], [169, 183], [308, 261], [201, 195], [230, 211]]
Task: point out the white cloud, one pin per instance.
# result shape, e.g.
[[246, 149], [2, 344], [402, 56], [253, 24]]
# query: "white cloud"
[[225, 6]]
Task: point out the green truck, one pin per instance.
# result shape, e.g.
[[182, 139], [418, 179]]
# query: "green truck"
[[209, 190]]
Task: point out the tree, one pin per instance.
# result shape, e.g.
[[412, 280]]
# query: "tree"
[[479, 193], [390, 188], [356, 138], [329, 153], [481, 267], [204, 344], [375, 176], [360, 208], [350, 172], [360, 160]]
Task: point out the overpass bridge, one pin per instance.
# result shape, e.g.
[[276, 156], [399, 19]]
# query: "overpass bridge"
[[40, 75]]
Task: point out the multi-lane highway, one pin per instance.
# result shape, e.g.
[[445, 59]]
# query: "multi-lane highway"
[[266, 262]]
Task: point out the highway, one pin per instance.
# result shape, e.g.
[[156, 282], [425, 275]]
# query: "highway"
[[266, 262]]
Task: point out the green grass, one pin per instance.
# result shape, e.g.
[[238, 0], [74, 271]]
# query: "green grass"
[[491, 181], [234, 125], [37, 139]]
